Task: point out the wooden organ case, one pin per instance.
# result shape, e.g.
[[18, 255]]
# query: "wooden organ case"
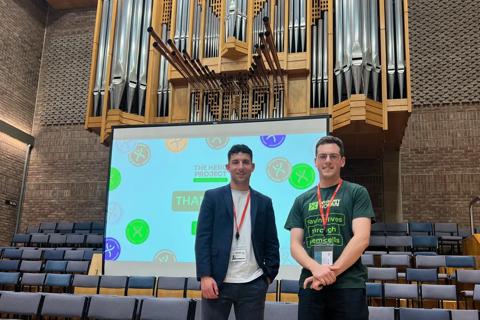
[[181, 61]]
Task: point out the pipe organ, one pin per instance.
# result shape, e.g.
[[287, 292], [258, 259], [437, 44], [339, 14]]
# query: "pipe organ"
[[163, 61]]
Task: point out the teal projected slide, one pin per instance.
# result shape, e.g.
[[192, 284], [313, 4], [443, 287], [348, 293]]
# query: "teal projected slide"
[[158, 176]]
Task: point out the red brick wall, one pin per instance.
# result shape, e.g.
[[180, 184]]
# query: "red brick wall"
[[12, 159], [368, 173], [67, 177], [21, 41], [440, 158], [440, 151]]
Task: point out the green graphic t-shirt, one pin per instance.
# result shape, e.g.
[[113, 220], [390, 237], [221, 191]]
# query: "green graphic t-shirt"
[[352, 201]]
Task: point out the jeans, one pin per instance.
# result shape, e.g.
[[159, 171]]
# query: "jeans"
[[248, 300], [332, 304]]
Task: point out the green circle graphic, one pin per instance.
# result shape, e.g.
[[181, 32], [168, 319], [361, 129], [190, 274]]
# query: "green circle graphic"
[[137, 231], [302, 177], [115, 178]]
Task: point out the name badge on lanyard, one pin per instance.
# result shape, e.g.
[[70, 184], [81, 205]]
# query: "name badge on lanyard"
[[239, 255], [323, 254]]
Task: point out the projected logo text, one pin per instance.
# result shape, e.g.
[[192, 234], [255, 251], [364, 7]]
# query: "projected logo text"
[[187, 200]]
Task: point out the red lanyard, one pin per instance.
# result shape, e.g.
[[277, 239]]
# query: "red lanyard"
[[324, 215], [239, 226]]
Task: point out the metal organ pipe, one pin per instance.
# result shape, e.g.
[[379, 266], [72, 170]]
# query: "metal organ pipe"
[[99, 86]]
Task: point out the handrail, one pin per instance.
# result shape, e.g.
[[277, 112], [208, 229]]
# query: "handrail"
[[472, 203]]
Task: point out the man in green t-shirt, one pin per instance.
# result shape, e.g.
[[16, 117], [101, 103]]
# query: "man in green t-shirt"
[[329, 230]]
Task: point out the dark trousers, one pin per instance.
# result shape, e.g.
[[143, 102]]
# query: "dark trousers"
[[248, 300], [332, 304]]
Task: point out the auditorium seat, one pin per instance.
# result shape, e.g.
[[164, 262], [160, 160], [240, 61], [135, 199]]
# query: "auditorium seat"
[[32, 229], [396, 229], [64, 305], [438, 262], [114, 285], [476, 295], [193, 290], [423, 314], [64, 227], [74, 255], [448, 236], [58, 282], [378, 229], [420, 276], [397, 291], [87, 254], [56, 254], [439, 293], [167, 309], [76, 267], [31, 266], [288, 291], [368, 260], [97, 227], [57, 240], [48, 227], [374, 292], [173, 287], [141, 286], [94, 240], [32, 254], [398, 243], [464, 314], [425, 243], [82, 227], [55, 266], [272, 291], [381, 313], [466, 280], [9, 265], [399, 261], [85, 284], [377, 245], [75, 240], [32, 281], [420, 228], [112, 308], [281, 311], [12, 253], [9, 280], [20, 303], [21, 239], [382, 274], [39, 239], [460, 262]]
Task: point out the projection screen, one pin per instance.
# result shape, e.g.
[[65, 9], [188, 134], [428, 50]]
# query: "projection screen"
[[158, 175]]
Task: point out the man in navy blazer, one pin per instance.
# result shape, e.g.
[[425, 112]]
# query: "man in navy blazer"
[[236, 247]]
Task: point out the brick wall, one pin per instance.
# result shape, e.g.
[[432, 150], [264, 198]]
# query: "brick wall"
[[67, 176], [444, 51], [12, 159], [68, 168], [367, 173], [440, 163], [22, 26], [440, 151]]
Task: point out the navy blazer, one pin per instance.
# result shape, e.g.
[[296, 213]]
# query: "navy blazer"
[[215, 232]]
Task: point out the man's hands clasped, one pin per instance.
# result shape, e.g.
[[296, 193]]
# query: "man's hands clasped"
[[322, 275]]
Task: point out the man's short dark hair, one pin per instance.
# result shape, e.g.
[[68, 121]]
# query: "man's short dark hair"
[[237, 148], [331, 140]]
